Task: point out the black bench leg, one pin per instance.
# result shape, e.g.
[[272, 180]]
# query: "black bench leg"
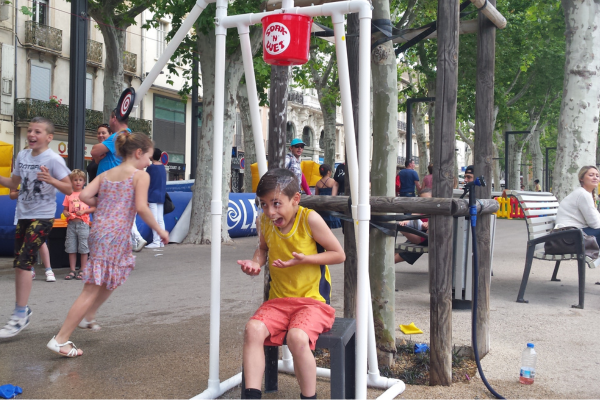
[[581, 267], [528, 262], [271, 372], [337, 365], [555, 272], [350, 368]]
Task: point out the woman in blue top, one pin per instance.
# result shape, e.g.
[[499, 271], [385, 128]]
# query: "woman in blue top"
[[327, 186], [156, 195]]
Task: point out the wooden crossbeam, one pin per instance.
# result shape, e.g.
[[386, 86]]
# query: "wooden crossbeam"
[[417, 205]]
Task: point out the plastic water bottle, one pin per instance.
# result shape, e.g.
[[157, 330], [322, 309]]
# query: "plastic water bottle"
[[528, 359]]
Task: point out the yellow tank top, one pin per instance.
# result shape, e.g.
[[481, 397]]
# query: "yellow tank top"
[[302, 280]]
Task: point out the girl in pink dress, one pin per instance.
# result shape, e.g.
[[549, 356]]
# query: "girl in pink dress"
[[122, 192]]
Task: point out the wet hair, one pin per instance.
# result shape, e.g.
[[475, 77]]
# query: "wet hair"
[[104, 126], [324, 169], [77, 173], [41, 120], [430, 168], [156, 154], [128, 144], [581, 174], [280, 179]]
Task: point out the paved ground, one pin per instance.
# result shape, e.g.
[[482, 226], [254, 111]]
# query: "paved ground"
[[154, 341]]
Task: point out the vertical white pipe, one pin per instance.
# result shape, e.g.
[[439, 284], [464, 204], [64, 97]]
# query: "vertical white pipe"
[[173, 45], [346, 97], [216, 203], [371, 344], [261, 157], [364, 208]]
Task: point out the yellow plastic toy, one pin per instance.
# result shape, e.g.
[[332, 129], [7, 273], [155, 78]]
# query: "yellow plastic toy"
[[410, 329]]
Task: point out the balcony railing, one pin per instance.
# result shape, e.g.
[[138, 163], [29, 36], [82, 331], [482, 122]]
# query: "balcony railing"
[[130, 62], [94, 52], [295, 97], [26, 109], [402, 126], [43, 36]]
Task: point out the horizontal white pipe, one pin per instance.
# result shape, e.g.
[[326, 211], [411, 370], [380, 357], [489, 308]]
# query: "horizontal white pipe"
[[217, 391], [168, 52], [288, 368], [373, 380], [491, 12], [393, 391], [343, 7]]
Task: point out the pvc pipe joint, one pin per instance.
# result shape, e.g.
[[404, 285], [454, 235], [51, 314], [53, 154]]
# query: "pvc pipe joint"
[[364, 212], [216, 207]]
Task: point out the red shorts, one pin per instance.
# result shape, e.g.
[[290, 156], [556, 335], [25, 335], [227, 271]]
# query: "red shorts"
[[281, 315]]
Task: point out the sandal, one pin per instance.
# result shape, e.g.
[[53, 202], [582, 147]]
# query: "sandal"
[[79, 275], [70, 276], [93, 325], [54, 346]]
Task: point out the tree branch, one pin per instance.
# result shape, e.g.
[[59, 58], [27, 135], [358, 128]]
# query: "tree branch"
[[408, 15], [135, 11], [522, 91], [464, 138], [513, 84], [325, 76]]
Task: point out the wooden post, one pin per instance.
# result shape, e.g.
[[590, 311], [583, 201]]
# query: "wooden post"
[[440, 246], [351, 263], [277, 129], [484, 120]]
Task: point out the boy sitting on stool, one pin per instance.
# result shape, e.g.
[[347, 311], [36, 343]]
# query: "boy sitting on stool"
[[292, 238]]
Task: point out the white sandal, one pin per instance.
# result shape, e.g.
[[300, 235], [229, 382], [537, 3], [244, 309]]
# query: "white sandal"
[[92, 325], [55, 347]]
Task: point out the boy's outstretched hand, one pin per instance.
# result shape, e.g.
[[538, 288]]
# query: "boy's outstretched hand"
[[44, 174], [298, 259], [249, 267]]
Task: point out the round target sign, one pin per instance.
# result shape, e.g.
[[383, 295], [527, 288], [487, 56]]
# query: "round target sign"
[[125, 104], [276, 38]]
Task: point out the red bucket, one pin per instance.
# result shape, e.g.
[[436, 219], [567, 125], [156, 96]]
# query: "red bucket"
[[286, 38]]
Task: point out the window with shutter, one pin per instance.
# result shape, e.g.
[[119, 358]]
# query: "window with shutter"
[[40, 83]]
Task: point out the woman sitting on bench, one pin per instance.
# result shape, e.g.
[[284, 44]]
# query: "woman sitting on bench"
[[578, 208], [418, 224]]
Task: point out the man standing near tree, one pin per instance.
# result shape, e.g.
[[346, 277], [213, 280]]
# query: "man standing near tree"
[[409, 179], [292, 162]]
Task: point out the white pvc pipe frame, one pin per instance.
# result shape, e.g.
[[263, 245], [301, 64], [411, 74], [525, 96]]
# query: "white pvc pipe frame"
[[359, 184]]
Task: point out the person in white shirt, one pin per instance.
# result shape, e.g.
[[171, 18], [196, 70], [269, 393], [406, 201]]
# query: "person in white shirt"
[[578, 208]]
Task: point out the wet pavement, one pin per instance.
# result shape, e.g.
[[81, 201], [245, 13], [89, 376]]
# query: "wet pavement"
[[154, 338]]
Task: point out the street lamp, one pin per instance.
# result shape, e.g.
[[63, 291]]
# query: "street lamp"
[[506, 170], [547, 171]]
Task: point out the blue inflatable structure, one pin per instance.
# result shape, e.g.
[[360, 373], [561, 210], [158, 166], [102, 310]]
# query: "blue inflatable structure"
[[241, 215]]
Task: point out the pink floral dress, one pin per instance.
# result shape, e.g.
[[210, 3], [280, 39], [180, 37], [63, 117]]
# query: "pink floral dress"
[[111, 261]]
